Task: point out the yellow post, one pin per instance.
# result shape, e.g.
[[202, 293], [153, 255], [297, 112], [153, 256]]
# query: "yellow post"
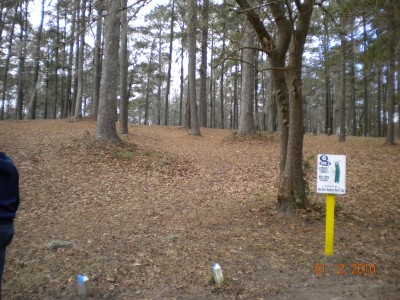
[[330, 224]]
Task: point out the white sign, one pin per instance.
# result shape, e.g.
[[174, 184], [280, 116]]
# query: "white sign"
[[331, 174]]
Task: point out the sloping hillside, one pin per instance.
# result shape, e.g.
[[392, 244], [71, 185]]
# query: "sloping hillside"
[[147, 219]]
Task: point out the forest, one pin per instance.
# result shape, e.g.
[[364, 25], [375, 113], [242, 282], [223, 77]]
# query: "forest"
[[148, 218], [242, 65], [52, 56], [155, 138]]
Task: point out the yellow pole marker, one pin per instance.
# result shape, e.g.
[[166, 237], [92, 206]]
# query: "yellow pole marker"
[[330, 224]]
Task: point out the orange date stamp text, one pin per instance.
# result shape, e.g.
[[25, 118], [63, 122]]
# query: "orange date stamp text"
[[345, 269]]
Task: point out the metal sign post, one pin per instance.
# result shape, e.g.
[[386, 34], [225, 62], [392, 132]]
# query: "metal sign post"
[[330, 224], [331, 180]]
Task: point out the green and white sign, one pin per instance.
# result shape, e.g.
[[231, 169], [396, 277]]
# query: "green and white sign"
[[331, 174]]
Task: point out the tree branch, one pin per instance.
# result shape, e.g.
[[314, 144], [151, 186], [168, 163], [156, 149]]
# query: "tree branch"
[[270, 69], [262, 33], [290, 13], [298, 4], [241, 11]]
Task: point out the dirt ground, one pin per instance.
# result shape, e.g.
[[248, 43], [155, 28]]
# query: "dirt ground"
[[147, 219]]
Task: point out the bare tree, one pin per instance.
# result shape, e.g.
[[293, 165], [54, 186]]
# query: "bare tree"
[[292, 32], [79, 94], [9, 53], [148, 84], [123, 73], [105, 127], [342, 96], [203, 66], [97, 61], [32, 104], [365, 80], [246, 121], [23, 37], [68, 95], [171, 39], [191, 34], [328, 97], [389, 6], [56, 62]]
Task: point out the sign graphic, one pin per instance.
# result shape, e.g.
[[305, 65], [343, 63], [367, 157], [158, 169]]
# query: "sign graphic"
[[331, 174]]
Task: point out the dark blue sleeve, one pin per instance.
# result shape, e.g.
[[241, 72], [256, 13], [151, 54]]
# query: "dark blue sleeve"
[[9, 188]]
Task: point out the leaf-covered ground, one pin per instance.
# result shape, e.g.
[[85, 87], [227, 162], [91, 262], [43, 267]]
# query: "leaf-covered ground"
[[147, 219]]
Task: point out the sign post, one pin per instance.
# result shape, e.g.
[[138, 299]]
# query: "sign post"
[[330, 224], [331, 180]]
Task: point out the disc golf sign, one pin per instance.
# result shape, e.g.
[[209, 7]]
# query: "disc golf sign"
[[331, 180], [331, 174]]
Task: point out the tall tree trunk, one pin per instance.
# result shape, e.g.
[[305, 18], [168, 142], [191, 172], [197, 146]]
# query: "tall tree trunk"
[[221, 91], [23, 37], [221, 82], [56, 62], [105, 127], [75, 78], [181, 78], [232, 106], [265, 120], [391, 95], [68, 94], [292, 188], [379, 103], [97, 61], [148, 88], [7, 64], [46, 97], [342, 97], [327, 76], [222, 97], [191, 35], [246, 121], [398, 103], [272, 108], [256, 91], [236, 98], [1, 21], [63, 68], [3, 14], [203, 66], [279, 80], [352, 114], [171, 39], [365, 79], [123, 73], [159, 76], [212, 85], [188, 121], [384, 104], [390, 100], [79, 94], [33, 102]]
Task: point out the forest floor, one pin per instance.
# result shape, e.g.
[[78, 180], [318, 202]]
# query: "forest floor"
[[147, 219]]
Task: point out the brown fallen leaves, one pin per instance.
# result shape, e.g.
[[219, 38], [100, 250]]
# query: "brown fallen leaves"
[[148, 218]]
